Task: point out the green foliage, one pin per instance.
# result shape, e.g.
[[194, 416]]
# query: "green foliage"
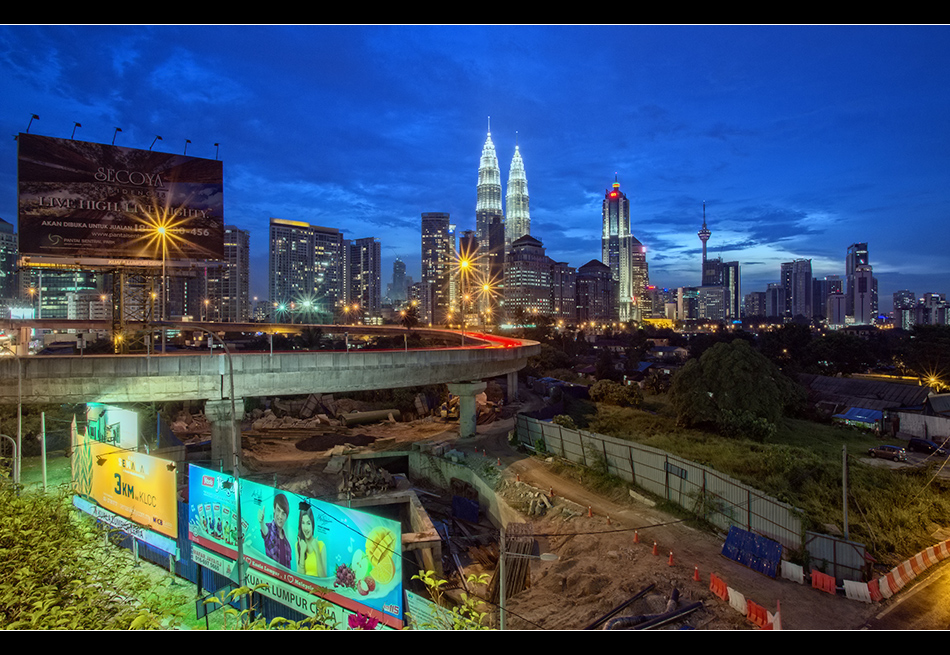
[[410, 316], [58, 574], [465, 616], [730, 387], [564, 420], [614, 393], [539, 446], [241, 619], [838, 353]]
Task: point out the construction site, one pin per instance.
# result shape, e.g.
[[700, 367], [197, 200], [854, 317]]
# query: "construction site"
[[574, 559]]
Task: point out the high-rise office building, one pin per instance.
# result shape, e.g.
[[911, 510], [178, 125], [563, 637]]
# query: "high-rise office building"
[[863, 296], [796, 279], [518, 216], [363, 276], [717, 273], [397, 288], [932, 309], [438, 253], [563, 292], [857, 256], [306, 269], [596, 293], [528, 278], [904, 305], [754, 304], [821, 289], [47, 290], [8, 261], [623, 254], [775, 301], [228, 286], [488, 197]]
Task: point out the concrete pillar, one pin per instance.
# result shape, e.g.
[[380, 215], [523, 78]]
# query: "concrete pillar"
[[512, 386], [218, 413], [466, 391]]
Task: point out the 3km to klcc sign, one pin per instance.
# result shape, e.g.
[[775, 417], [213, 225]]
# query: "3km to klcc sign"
[[89, 200], [351, 558], [135, 486]]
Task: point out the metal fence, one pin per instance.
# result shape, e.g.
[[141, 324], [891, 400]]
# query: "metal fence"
[[715, 497]]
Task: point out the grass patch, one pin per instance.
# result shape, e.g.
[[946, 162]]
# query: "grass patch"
[[893, 512]]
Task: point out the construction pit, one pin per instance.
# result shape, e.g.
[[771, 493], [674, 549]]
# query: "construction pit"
[[620, 564]]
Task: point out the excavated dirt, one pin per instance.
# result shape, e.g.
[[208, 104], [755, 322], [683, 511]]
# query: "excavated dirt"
[[600, 565]]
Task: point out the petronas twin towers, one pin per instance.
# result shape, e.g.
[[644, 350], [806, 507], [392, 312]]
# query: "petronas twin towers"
[[488, 209]]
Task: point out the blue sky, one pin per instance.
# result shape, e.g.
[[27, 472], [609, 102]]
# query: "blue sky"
[[801, 140]]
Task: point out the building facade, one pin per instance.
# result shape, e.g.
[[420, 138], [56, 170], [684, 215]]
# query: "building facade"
[[624, 255], [518, 214], [305, 270], [438, 253], [488, 208]]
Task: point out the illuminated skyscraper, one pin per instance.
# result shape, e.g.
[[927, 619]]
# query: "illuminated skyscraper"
[[306, 266], [8, 261], [518, 218], [228, 285], [363, 273], [623, 254], [857, 256], [488, 202], [438, 252]]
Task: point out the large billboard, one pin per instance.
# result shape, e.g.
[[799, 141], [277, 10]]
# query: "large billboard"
[[90, 200], [136, 486], [350, 558]]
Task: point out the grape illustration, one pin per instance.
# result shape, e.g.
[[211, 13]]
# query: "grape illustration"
[[344, 577]]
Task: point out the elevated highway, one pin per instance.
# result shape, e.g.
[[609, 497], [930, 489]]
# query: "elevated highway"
[[203, 376]]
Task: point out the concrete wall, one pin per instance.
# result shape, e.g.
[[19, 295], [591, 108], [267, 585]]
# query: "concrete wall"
[[440, 471], [935, 428], [140, 378]]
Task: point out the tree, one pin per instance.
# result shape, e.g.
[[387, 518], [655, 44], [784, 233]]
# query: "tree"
[[410, 316], [614, 393], [928, 355], [735, 389], [839, 353]]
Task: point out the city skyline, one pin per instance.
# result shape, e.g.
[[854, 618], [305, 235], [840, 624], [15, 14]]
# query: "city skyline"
[[801, 140]]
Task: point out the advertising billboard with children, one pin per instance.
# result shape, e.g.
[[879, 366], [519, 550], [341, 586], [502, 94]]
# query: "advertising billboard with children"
[[348, 557]]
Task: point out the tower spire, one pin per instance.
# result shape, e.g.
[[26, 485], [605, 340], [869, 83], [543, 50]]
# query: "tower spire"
[[704, 234], [488, 193], [518, 218]]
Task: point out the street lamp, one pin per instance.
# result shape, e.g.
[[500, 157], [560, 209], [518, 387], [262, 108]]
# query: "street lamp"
[[464, 265], [162, 232]]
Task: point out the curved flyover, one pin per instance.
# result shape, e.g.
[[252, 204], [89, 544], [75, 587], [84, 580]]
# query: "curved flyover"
[[192, 376]]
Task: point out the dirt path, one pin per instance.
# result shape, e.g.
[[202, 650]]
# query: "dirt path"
[[600, 566]]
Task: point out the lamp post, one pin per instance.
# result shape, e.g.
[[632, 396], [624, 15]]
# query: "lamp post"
[[464, 265], [18, 461], [163, 235], [235, 458]]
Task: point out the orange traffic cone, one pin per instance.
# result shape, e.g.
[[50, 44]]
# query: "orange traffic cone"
[[608, 520], [517, 477], [636, 537], [590, 513], [656, 551], [499, 462], [671, 559], [696, 574]]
